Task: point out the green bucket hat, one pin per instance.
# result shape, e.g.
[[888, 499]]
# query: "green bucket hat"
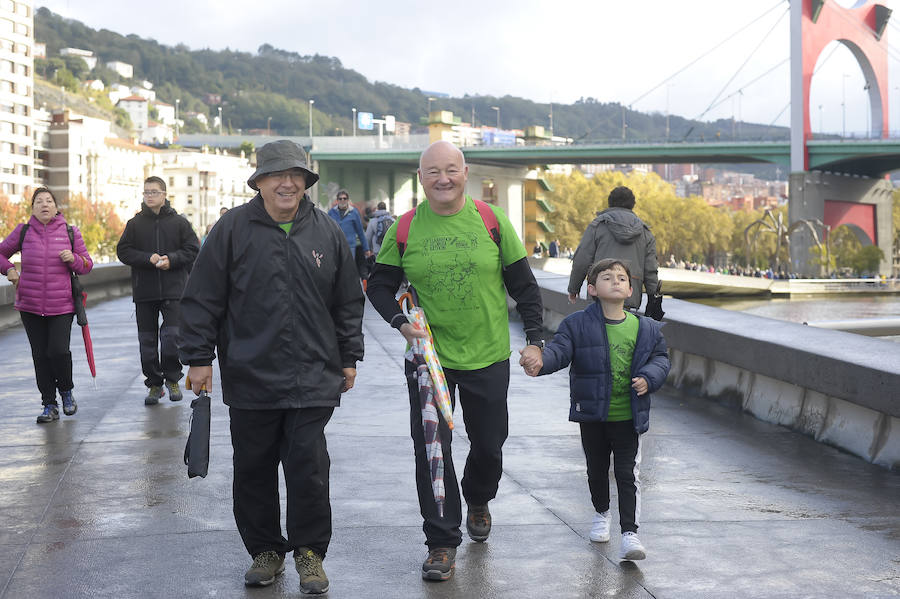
[[277, 156]]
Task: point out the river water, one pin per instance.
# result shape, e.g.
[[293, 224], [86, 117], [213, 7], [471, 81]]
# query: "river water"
[[814, 308]]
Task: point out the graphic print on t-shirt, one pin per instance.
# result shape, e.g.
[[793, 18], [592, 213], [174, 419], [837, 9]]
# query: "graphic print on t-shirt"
[[450, 269]]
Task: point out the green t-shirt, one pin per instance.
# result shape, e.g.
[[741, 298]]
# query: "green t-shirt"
[[454, 266], [287, 227], [622, 337]]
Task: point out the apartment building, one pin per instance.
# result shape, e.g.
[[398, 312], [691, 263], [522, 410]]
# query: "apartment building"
[[16, 96], [201, 183]]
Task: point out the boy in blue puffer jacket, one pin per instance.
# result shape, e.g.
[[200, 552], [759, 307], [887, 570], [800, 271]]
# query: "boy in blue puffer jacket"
[[617, 359]]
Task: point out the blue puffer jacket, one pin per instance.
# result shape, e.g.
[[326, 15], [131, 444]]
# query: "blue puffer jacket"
[[581, 340]]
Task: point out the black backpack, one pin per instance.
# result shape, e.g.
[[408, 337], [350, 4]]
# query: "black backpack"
[[381, 227]]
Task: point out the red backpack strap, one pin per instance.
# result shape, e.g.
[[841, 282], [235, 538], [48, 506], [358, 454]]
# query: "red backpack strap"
[[403, 230], [489, 219]]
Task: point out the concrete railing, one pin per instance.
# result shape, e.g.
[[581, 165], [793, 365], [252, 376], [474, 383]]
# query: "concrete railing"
[[837, 387], [105, 281]]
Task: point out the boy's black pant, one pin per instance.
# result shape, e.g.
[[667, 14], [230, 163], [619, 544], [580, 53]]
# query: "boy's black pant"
[[295, 438], [49, 337], [482, 394], [599, 439], [162, 364]]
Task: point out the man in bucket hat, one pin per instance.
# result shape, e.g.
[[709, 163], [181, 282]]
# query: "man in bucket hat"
[[275, 290]]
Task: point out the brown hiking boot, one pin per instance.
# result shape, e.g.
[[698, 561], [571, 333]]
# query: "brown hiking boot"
[[266, 566], [439, 564], [313, 580], [478, 522]]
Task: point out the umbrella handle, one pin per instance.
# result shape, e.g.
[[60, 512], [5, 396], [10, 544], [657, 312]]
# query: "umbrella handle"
[[408, 298], [187, 383]]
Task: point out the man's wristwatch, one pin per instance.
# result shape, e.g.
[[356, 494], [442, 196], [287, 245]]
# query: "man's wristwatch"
[[538, 342]]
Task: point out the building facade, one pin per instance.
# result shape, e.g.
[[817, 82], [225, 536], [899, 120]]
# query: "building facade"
[[16, 97]]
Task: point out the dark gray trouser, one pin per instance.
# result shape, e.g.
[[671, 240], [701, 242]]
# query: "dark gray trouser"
[[160, 364], [598, 439], [482, 394], [296, 439], [49, 337]]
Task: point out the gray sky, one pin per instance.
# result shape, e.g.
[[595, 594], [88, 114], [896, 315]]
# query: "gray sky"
[[614, 51]]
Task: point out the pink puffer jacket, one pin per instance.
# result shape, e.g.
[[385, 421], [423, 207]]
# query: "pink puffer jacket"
[[45, 286]]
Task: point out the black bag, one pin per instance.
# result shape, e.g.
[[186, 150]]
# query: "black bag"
[[196, 451], [79, 297], [654, 304]]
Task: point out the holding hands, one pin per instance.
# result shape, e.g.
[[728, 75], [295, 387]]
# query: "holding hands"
[[67, 256], [531, 360]]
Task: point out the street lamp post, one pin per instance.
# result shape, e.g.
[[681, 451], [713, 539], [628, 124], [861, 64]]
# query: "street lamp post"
[[269, 126], [497, 108], [354, 122], [430, 100], [311, 102], [821, 130], [844, 105], [177, 102], [220, 120], [866, 88]]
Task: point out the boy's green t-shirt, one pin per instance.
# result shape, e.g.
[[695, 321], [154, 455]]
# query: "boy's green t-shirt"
[[622, 337], [286, 227], [455, 268]]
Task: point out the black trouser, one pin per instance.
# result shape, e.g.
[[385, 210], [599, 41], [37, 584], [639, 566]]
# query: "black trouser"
[[49, 337], [294, 438], [161, 364], [482, 394], [362, 264], [599, 439]]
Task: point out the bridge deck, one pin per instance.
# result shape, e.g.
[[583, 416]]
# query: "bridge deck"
[[99, 505]]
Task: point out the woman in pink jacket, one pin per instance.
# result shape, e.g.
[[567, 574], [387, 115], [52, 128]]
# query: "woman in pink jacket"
[[44, 296]]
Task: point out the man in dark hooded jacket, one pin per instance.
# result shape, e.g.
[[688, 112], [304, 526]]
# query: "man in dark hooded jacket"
[[275, 292], [160, 247], [617, 232]]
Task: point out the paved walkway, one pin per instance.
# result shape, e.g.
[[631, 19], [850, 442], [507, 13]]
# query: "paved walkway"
[[99, 505]]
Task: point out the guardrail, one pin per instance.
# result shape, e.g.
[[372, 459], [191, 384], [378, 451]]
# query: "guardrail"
[[838, 388], [105, 281]]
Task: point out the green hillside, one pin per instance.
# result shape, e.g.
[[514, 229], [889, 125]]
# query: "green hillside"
[[278, 84]]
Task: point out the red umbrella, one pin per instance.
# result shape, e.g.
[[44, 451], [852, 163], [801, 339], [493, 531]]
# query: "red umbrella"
[[81, 317]]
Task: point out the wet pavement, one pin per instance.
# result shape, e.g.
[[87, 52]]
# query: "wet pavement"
[[99, 504]]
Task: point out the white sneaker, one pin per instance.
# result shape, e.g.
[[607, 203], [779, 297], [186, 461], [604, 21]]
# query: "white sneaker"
[[600, 528], [631, 547]]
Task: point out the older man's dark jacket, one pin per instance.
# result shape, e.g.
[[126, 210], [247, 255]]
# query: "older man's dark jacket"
[[167, 234], [284, 311]]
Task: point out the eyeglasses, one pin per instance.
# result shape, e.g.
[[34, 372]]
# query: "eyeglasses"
[[342, 198], [150, 194]]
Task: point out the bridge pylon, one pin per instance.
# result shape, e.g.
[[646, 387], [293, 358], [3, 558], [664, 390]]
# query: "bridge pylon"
[[823, 197]]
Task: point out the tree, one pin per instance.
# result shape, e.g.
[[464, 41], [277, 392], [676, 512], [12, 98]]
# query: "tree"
[[867, 259], [12, 213], [247, 148], [99, 225]]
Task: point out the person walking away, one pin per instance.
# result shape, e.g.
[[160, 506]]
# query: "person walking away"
[[275, 291], [617, 360], [617, 232], [462, 257], [349, 220], [51, 251], [160, 247], [553, 250], [379, 224]]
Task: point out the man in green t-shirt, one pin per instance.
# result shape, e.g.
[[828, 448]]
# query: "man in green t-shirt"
[[461, 276]]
